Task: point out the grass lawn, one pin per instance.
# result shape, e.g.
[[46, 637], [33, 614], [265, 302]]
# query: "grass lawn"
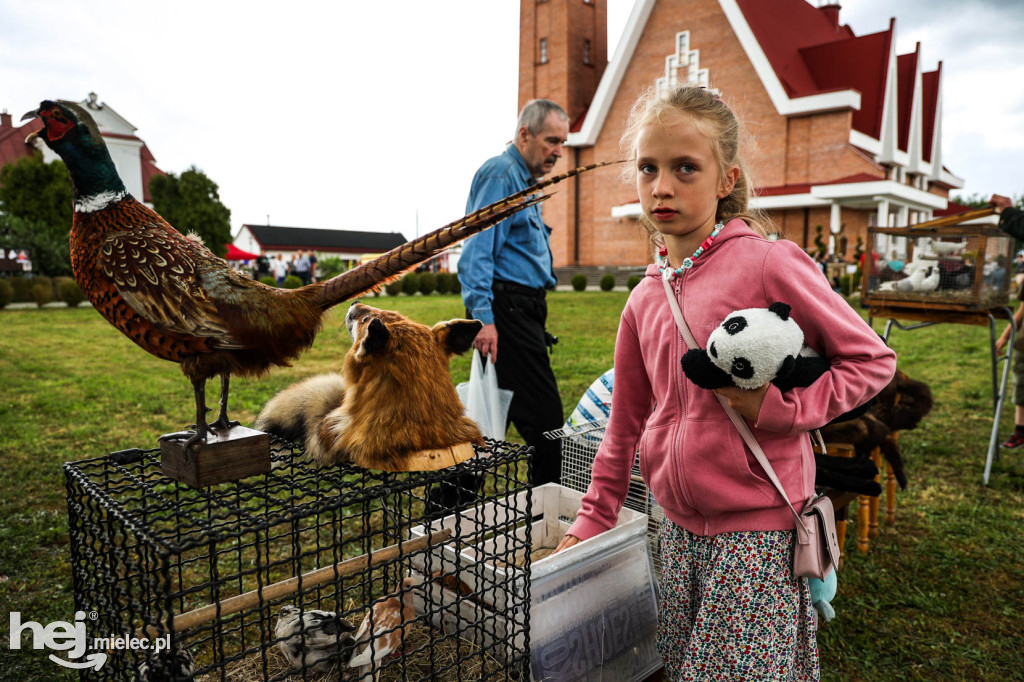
[[940, 596]]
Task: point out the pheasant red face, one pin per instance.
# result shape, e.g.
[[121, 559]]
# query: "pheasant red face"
[[57, 124]]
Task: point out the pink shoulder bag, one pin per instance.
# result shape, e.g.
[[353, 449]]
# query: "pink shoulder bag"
[[816, 551]]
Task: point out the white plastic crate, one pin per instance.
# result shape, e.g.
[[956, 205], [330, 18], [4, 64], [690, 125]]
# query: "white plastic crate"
[[579, 446], [593, 606]]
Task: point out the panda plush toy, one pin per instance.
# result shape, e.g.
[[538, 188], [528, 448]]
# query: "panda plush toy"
[[752, 347]]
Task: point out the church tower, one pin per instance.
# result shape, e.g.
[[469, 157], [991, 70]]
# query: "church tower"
[[563, 51]]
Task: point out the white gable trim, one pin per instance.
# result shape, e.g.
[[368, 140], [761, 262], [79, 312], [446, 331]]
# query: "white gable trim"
[[938, 172], [915, 141], [878, 190], [784, 104], [865, 142], [890, 132], [776, 201]]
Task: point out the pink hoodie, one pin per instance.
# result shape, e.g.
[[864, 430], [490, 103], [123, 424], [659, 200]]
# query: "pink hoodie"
[[691, 455]]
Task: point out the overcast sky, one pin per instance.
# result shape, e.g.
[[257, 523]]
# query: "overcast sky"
[[374, 116]]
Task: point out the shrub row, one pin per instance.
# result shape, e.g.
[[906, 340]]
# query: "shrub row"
[[424, 283], [606, 283], [40, 290]]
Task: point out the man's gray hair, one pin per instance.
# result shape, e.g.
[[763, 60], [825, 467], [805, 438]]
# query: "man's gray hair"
[[535, 113]]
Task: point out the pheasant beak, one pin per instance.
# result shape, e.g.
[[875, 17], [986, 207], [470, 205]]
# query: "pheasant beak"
[[30, 140]]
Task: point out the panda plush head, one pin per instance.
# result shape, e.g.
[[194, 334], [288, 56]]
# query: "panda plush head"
[[748, 349]]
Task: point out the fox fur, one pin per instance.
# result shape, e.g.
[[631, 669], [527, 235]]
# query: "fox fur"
[[393, 397]]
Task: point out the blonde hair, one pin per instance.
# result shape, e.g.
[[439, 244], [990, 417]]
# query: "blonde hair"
[[718, 122]]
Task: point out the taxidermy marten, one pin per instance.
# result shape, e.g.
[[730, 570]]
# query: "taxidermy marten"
[[900, 406], [394, 396]]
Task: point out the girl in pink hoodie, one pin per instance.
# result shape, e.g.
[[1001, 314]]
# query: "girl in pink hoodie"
[[731, 607]]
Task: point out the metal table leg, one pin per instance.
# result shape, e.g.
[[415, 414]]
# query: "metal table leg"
[[998, 392], [998, 384]]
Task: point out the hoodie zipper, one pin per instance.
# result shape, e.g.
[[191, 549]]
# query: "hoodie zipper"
[[677, 455]]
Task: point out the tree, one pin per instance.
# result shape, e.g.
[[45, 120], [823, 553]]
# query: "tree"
[[36, 208], [972, 200], [190, 203]]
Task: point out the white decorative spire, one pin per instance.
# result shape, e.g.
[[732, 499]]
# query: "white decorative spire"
[[682, 67]]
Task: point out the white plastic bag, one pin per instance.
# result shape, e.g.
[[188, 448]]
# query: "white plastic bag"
[[485, 403]]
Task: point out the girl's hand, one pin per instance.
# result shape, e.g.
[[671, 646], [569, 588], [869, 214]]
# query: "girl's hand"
[[746, 402], [567, 541]]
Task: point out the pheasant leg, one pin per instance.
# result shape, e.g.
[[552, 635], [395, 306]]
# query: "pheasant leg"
[[222, 419], [198, 432]]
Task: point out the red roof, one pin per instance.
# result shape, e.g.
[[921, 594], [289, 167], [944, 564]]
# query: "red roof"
[[804, 188], [12, 138], [854, 64], [783, 28], [811, 53], [906, 72], [952, 208], [930, 105]]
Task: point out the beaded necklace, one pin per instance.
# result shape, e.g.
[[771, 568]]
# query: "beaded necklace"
[[661, 260]]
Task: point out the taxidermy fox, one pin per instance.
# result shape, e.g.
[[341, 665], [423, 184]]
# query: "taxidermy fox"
[[393, 398]]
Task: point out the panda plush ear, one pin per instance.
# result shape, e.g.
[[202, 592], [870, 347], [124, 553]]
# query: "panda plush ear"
[[780, 309]]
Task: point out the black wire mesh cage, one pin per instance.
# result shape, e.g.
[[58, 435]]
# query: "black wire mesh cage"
[[579, 447], [302, 573]]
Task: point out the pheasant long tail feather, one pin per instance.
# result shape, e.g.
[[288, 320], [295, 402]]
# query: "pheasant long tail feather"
[[392, 264]]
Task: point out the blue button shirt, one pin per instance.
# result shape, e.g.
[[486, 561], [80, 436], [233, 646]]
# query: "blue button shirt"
[[516, 250]]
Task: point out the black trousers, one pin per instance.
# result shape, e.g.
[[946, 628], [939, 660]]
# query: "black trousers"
[[524, 367]]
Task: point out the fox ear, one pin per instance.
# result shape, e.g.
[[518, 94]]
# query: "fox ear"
[[457, 335], [376, 337]]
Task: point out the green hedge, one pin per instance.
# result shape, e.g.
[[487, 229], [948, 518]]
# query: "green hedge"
[[410, 284], [579, 281], [428, 283], [69, 292], [42, 292]]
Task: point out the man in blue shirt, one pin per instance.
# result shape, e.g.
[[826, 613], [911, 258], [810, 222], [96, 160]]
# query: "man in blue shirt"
[[505, 271]]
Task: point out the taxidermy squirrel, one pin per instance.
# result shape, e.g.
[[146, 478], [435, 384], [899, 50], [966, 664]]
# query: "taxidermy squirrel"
[[394, 396]]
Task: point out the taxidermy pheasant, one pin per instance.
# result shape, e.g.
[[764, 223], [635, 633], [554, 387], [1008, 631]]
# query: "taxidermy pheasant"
[[173, 297]]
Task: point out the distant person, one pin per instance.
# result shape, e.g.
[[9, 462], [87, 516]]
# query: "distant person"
[[278, 269], [1011, 218], [505, 273], [300, 266], [312, 267]]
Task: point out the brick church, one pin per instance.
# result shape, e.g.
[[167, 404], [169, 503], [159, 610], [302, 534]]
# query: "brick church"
[[842, 132]]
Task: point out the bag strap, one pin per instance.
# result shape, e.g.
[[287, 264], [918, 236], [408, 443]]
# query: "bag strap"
[[734, 416]]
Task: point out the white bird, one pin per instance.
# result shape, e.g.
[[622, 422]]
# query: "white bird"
[[313, 639], [931, 282], [912, 282], [384, 629], [176, 664], [933, 249]]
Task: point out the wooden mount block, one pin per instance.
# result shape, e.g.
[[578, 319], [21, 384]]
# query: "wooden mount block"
[[230, 455], [432, 460]]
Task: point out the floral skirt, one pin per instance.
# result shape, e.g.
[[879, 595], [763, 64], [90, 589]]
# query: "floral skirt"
[[731, 608]]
